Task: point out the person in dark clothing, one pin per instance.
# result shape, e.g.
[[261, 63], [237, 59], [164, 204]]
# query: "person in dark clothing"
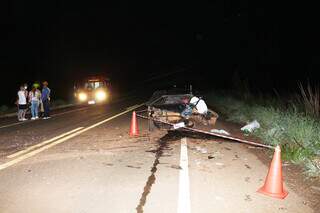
[[45, 97]]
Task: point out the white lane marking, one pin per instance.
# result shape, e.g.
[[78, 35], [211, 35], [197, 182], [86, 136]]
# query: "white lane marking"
[[184, 191], [13, 124], [34, 152], [42, 143], [54, 115]]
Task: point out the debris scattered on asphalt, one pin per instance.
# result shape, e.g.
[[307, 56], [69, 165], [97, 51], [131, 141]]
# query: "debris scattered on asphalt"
[[134, 167], [202, 150], [217, 155], [247, 166], [248, 198], [220, 131], [178, 125], [107, 164], [250, 127], [282, 208], [175, 167]]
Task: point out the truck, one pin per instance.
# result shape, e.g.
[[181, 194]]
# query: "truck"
[[93, 90]]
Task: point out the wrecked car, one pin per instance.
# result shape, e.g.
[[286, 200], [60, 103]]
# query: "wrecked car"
[[180, 110]]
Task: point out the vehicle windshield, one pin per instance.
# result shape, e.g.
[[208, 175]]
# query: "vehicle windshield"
[[94, 84]]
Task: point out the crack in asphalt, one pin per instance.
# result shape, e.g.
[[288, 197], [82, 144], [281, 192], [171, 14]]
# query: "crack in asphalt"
[[152, 178]]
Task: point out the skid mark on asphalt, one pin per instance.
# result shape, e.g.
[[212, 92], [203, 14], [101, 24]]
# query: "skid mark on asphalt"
[[152, 178]]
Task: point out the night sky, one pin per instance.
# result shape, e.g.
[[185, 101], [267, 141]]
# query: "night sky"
[[271, 45]]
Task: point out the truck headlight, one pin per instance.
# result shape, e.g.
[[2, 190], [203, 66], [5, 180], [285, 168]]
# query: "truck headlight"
[[82, 96], [101, 95]]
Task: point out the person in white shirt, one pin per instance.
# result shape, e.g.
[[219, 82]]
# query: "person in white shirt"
[[199, 105], [34, 99], [22, 103]]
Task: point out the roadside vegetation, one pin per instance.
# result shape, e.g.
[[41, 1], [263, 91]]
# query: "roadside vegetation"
[[292, 122]]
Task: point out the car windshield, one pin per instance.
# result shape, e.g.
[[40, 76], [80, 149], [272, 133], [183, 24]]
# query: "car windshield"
[[94, 85]]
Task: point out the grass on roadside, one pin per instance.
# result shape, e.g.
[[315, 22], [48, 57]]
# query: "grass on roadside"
[[296, 131]]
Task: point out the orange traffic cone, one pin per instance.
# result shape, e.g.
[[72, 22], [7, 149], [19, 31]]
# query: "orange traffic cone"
[[134, 129], [273, 185]]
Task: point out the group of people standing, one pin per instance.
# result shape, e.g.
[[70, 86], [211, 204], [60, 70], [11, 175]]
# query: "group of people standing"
[[35, 99]]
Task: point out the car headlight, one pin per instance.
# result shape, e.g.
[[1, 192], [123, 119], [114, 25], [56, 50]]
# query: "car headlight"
[[101, 95], [82, 96]]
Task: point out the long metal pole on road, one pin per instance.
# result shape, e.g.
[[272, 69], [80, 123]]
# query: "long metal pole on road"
[[214, 134]]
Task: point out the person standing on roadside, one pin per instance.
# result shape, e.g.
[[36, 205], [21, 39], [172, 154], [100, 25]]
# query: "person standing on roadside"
[[34, 99], [45, 97], [22, 103]]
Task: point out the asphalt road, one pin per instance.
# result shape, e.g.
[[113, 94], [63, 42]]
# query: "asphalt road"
[[83, 160]]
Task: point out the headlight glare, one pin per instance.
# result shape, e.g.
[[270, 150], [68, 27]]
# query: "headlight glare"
[[101, 95], [82, 96]]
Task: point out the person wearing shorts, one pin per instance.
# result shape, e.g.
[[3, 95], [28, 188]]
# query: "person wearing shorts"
[[22, 103]]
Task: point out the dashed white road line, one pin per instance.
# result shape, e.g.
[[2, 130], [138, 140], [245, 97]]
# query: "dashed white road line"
[[184, 185], [45, 147], [13, 124]]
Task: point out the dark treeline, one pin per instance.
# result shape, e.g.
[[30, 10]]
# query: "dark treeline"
[[261, 43]]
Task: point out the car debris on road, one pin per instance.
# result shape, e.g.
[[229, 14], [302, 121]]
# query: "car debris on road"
[[164, 112], [220, 131], [250, 127]]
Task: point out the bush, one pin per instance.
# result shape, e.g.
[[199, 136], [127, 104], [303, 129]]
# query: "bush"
[[309, 97]]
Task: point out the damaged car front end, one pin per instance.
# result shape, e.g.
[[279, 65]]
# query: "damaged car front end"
[[177, 110]]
